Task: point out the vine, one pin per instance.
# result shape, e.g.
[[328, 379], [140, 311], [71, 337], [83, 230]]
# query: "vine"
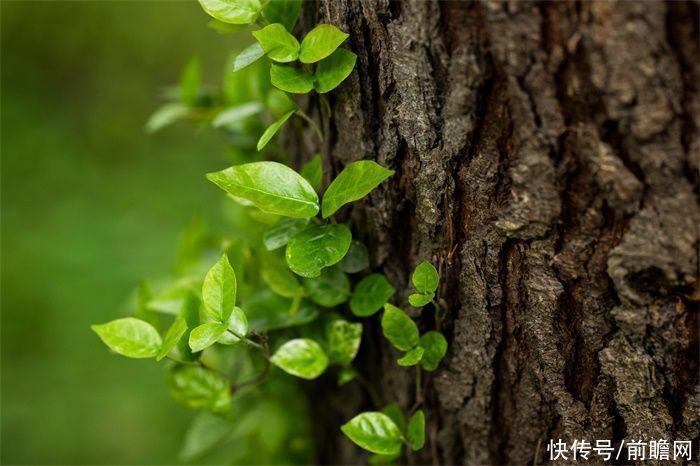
[[296, 258]]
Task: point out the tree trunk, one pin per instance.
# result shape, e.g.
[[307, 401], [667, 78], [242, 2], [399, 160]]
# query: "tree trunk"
[[546, 159]]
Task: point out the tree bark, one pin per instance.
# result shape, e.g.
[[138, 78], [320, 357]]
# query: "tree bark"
[[546, 159]]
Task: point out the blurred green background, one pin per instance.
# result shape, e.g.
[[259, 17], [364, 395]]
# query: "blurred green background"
[[90, 205]]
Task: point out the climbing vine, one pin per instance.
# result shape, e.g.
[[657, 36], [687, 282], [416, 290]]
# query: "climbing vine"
[[280, 295]]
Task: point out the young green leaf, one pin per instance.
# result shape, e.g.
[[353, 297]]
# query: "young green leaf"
[[233, 11], [420, 300], [279, 103], [189, 311], [435, 349], [279, 234], [130, 337], [354, 182], [236, 114], [370, 295], [172, 337], [219, 290], [320, 42], [313, 171], [329, 289], [412, 357], [425, 278], [317, 247], [332, 70], [399, 328], [238, 324], [343, 340], [415, 431], [248, 56], [280, 279], [375, 432], [166, 115], [345, 375], [198, 387], [396, 414], [357, 258], [190, 82], [278, 44], [290, 79], [271, 186], [271, 130], [301, 357], [205, 335], [285, 12]]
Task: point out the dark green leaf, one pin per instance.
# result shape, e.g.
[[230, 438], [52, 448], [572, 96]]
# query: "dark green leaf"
[[236, 115], [130, 337], [320, 42], [271, 186], [354, 182], [278, 44], [301, 357], [329, 289], [313, 172], [317, 247], [247, 56], [420, 300], [425, 278], [396, 414], [205, 335], [333, 70], [198, 387], [383, 459], [190, 82], [435, 349], [370, 295], [219, 290], [415, 431], [282, 11], [375, 432], [272, 130], [172, 337], [345, 375], [412, 357], [279, 234], [233, 11], [343, 339], [399, 328], [290, 79], [357, 258]]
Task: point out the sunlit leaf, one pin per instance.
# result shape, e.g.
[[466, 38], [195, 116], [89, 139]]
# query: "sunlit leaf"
[[412, 357], [301, 357], [130, 337], [399, 328], [396, 414], [420, 300], [320, 42], [233, 11], [425, 278], [271, 130], [238, 324], [219, 290], [172, 337], [332, 70], [278, 44], [375, 432], [343, 340], [354, 182], [317, 247], [248, 56], [290, 79], [205, 335], [370, 295]]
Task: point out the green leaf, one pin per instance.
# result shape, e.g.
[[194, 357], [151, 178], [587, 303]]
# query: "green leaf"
[[425, 278], [317, 247], [396, 414], [236, 114], [271, 130], [278, 44], [206, 432], [247, 56], [166, 115], [271, 186], [383, 459], [435, 346], [279, 234], [320, 42], [279, 102], [329, 289], [282, 11], [233, 11], [357, 258], [172, 337], [190, 82], [198, 387], [189, 311], [343, 340], [130, 337], [333, 70], [226, 28], [345, 375], [313, 171], [375, 432], [415, 431], [238, 324], [354, 182], [219, 290], [280, 279], [290, 79], [370, 295], [399, 328], [420, 300], [301, 357], [205, 335], [268, 311], [412, 357]]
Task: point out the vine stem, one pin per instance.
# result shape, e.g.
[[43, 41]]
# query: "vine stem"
[[265, 349], [244, 339], [370, 389], [313, 124]]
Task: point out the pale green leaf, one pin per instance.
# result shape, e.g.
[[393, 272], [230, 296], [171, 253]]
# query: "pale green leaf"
[[415, 431], [357, 258], [278, 44], [285, 12], [280, 280], [219, 290], [166, 115], [236, 115], [343, 341], [425, 278], [290, 79], [329, 289], [271, 186], [206, 432], [279, 234], [130, 337], [271, 130], [317, 247], [396, 414], [313, 171], [198, 388], [190, 82], [399, 328], [420, 300], [205, 335], [238, 324], [354, 182], [233, 11], [301, 357], [172, 337], [320, 42], [279, 102], [435, 346], [370, 295], [333, 70], [412, 357], [375, 432], [248, 56], [226, 28]]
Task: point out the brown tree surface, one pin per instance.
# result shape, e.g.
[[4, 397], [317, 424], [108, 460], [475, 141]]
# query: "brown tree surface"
[[547, 161]]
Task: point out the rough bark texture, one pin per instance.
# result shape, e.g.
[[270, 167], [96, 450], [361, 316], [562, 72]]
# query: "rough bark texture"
[[547, 159]]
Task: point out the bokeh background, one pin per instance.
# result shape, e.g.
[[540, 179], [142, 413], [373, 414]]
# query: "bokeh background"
[[90, 205]]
